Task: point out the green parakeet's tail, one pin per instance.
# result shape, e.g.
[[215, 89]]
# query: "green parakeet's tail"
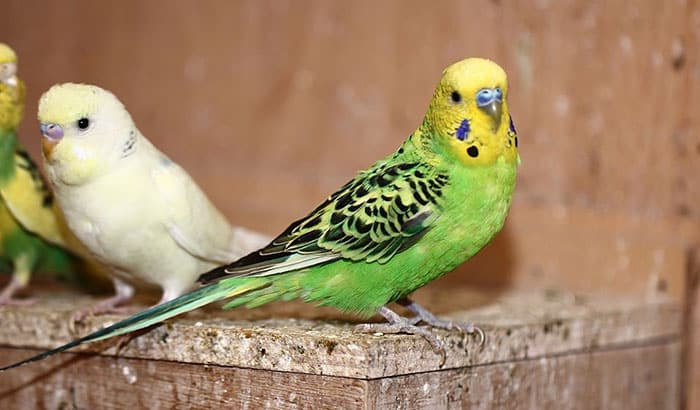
[[159, 313]]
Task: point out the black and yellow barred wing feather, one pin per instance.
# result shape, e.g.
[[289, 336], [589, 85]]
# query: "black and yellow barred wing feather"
[[381, 212], [23, 191]]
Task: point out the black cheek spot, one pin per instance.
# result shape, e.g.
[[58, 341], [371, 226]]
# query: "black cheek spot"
[[516, 142], [473, 151]]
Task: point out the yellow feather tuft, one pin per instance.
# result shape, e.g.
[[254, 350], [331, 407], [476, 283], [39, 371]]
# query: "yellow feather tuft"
[[7, 55]]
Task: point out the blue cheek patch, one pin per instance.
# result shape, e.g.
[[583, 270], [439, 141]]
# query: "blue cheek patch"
[[512, 126], [462, 132]]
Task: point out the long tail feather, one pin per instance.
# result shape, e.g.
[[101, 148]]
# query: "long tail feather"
[[154, 315]]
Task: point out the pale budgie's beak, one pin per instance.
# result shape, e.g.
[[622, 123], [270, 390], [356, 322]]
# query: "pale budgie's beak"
[[53, 133], [490, 100]]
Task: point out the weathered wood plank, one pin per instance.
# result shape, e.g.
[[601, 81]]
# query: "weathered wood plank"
[[642, 377], [691, 362], [634, 378], [518, 327], [97, 382]]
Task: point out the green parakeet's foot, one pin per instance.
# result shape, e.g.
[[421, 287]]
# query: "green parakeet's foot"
[[399, 324], [423, 315], [7, 297]]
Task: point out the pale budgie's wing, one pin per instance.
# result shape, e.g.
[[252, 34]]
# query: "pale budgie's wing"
[[382, 212], [30, 202], [191, 220]]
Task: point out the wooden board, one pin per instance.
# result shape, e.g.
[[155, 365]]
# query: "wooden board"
[[518, 326], [641, 377]]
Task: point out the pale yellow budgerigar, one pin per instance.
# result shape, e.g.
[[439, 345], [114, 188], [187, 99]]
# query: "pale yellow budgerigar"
[[137, 211]]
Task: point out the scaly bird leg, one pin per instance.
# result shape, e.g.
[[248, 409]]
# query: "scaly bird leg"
[[19, 281], [423, 315], [399, 324], [7, 297], [123, 293]]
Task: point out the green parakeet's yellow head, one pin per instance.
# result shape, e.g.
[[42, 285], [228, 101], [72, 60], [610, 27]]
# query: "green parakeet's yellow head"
[[7, 54], [8, 62], [86, 131], [11, 90], [468, 115]]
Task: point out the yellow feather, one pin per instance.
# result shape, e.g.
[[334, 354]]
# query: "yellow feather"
[[11, 105], [7, 55], [24, 197], [66, 103]]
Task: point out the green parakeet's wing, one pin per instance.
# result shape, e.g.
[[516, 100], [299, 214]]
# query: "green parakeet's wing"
[[382, 212], [25, 194]]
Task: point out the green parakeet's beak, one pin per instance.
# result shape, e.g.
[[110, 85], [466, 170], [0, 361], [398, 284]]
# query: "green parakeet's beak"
[[7, 71], [490, 100]]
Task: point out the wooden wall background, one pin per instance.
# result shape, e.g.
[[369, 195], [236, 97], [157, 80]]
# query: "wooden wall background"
[[271, 105]]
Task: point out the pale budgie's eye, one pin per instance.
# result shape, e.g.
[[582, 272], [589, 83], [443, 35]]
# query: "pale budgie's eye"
[[83, 123], [456, 97]]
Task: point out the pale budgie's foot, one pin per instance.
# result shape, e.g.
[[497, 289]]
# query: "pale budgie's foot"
[[123, 293], [423, 315], [110, 305], [7, 296]]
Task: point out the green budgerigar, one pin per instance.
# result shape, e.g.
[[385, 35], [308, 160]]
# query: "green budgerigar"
[[32, 235], [407, 220]]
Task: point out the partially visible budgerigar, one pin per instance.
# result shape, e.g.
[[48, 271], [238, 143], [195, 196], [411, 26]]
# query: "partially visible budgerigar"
[[137, 211], [404, 222], [32, 236]]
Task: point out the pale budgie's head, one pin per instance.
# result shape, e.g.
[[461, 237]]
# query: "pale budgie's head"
[[86, 131], [8, 62], [468, 116]]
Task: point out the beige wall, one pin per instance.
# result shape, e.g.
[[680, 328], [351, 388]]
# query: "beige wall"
[[272, 105]]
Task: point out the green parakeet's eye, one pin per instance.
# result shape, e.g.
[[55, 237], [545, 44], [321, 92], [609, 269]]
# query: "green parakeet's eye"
[[83, 123], [456, 97]]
